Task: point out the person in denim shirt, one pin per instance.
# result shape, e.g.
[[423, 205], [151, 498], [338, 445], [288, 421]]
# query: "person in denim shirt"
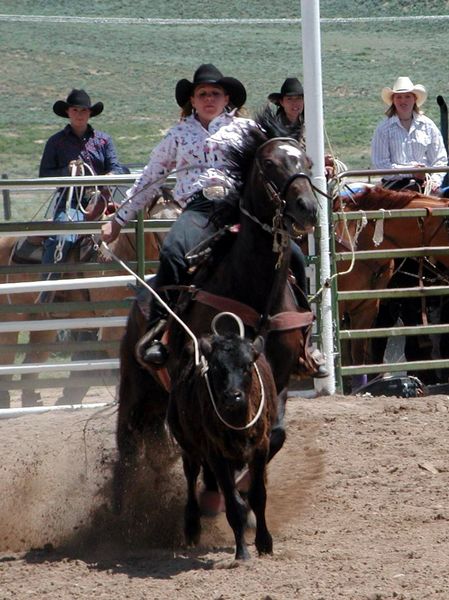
[[64, 154]]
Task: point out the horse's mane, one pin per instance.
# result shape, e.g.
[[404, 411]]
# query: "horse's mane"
[[240, 159], [378, 197]]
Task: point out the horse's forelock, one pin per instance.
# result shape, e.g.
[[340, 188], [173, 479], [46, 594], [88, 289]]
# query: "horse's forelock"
[[268, 126]]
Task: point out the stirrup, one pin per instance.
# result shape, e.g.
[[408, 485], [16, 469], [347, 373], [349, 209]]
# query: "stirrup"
[[314, 367], [146, 341], [155, 355], [319, 362]]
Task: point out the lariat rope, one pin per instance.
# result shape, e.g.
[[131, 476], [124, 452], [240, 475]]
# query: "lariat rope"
[[352, 247], [205, 368], [153, 292]]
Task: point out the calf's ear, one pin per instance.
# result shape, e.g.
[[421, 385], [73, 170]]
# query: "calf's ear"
[[258, 346], [205, 347]]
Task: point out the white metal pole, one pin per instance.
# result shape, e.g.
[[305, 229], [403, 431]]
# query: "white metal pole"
[[313, 100]]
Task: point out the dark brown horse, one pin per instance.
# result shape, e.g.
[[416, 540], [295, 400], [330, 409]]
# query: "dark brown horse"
[[392, 234], [249, 278], [221, 415]]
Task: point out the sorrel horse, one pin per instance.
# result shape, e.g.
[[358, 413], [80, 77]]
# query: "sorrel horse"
[[222, 415], [125, 248], [249, 278], [397, 233]]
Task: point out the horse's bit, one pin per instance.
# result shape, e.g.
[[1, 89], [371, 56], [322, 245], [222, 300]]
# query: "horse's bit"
[[281, 237]]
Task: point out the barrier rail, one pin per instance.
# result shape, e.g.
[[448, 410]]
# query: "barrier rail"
[[44, 228], [413, 292], [53, 374]]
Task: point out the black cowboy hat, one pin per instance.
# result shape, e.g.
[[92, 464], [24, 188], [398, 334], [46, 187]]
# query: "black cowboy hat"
[[210, 74], [291, 87], [77, 98]]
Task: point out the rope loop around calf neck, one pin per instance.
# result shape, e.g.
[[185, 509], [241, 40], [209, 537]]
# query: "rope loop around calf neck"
[[217, 412]]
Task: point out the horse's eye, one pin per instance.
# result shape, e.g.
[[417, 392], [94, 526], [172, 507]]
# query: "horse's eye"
[[268, 163]]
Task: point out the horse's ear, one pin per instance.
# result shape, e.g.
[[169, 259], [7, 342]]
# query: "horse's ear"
[[205, 347], [258, 346]]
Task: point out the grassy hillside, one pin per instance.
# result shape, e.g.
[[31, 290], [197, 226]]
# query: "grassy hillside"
[[133, 68]]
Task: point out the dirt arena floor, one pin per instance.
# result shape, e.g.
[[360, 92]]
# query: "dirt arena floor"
[[358, 508]]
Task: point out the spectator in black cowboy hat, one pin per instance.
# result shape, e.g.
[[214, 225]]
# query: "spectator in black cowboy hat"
[[290, 106], [64, 153]]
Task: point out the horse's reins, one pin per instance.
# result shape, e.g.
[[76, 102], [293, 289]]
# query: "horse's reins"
[[277, 196], [281, 237]]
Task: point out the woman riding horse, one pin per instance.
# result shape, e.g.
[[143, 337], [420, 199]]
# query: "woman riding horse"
[[196, 147]]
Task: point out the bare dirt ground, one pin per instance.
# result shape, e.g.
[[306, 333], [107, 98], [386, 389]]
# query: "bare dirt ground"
[[358, 508]]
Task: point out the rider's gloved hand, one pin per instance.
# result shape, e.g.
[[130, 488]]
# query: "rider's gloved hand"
[[224, 213]]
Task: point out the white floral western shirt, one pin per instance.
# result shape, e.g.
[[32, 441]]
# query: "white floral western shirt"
[[196, 154]]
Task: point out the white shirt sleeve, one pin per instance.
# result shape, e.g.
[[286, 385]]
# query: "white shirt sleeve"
[[161, 162]]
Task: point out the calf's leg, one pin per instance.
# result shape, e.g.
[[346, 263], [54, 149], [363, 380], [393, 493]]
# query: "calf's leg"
[[257, 498], [192, 523], [236, 508]]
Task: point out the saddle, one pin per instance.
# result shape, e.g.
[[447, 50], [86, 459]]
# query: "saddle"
[[29, 250]]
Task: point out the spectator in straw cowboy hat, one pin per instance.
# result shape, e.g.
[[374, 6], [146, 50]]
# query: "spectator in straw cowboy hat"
[[290, 106], [407, 138]]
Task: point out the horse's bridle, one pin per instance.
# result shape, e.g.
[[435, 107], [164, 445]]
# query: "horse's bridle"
[[281, 237]]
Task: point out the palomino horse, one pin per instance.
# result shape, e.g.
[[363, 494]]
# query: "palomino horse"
[[387, 234], [124, 248], [246, 276]]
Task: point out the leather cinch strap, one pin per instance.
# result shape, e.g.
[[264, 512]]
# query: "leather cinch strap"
[[283, 321]]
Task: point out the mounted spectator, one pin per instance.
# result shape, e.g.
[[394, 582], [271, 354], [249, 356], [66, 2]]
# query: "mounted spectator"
[[407, 138], [66, 152]]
